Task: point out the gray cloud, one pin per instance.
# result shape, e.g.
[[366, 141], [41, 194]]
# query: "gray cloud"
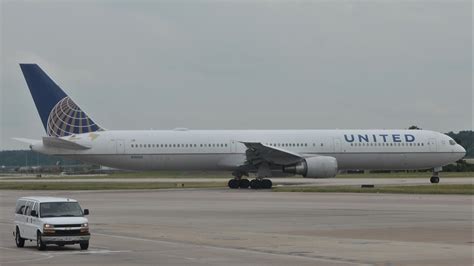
[[225, 65]]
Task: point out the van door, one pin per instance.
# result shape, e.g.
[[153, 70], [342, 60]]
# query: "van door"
[[27, 221], [35, 221], [20, 219]]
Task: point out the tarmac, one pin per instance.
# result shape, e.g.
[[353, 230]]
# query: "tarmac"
[[247, 227], [297, 181]]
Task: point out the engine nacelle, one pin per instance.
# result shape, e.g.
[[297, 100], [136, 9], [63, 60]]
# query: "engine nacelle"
[[314, 167]]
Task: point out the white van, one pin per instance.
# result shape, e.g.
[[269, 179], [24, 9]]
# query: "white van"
[[49, 220]]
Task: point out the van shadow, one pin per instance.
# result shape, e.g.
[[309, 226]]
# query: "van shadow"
[[55, 248]]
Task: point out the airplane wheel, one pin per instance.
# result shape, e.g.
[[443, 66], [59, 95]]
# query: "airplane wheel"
[[434, 180], [267, 183], [233, 183], [255, 184], [244, 183]]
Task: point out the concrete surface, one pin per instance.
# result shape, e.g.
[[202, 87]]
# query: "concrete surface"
[[276, 181], [228, 227]]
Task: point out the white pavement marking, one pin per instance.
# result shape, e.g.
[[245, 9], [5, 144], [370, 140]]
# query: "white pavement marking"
[[343, 261], [46, 256]]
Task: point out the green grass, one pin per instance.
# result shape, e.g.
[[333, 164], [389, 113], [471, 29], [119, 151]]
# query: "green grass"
[[106, 185], [406, 175], [466, 189], [130, 175]]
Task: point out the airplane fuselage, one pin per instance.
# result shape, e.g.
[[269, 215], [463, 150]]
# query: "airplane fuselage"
[[223, 149]]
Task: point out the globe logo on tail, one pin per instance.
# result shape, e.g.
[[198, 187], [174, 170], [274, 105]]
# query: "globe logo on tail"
[[66, 118]]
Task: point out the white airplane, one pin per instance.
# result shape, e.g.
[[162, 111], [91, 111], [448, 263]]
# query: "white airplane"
[[265, 153]]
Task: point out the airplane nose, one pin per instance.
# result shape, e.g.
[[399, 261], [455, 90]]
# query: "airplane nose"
[[461, 150]]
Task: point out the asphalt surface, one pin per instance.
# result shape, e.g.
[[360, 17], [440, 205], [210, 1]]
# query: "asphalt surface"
[[235, 227], [276, 181]]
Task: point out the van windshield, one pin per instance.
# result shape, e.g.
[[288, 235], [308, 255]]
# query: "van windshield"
[[60, 209]]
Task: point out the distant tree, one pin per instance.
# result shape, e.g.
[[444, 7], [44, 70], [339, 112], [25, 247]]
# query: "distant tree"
[[414, 127]]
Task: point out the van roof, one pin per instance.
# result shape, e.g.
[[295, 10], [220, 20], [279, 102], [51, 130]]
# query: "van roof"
[[47, 199]]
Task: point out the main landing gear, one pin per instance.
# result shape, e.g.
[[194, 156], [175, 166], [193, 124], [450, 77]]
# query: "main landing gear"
[[435, 178], [254, 184], [258, 183]]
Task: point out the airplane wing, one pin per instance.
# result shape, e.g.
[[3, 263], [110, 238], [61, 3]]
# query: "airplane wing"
[[257, 153]]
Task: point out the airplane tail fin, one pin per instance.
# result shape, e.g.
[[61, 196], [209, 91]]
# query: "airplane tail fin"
[[59, 114]]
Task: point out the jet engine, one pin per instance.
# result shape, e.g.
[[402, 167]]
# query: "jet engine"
[[314, 167]]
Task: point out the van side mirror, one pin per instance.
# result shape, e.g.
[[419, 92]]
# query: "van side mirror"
[[86, 211], [34, 214]]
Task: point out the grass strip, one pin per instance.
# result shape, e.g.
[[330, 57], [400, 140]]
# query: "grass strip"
[[465, 189], [106, 185]]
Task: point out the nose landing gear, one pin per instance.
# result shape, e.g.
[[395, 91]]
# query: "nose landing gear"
[[435, 178]]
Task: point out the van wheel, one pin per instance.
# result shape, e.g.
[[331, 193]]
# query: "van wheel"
[[39, 243], [84, 245], [20, 242]]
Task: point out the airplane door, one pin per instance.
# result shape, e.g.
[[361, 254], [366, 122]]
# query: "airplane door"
[[432, 144], [120, 146], [233, 148], [337, 145]]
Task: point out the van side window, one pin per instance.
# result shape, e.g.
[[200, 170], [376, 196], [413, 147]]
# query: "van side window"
[[36, 208], [20, 206], [29, 207], [26, 210]]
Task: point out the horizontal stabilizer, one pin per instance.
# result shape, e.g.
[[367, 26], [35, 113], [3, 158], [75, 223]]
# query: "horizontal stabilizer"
[[63, 144], [28, 141]]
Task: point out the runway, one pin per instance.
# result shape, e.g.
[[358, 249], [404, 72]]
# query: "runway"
[[226, 227]]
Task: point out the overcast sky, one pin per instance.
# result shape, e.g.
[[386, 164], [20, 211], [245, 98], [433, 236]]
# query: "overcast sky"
[[253, 65]]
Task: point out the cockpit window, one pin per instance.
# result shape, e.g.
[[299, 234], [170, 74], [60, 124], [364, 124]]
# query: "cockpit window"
[[452, 142]]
